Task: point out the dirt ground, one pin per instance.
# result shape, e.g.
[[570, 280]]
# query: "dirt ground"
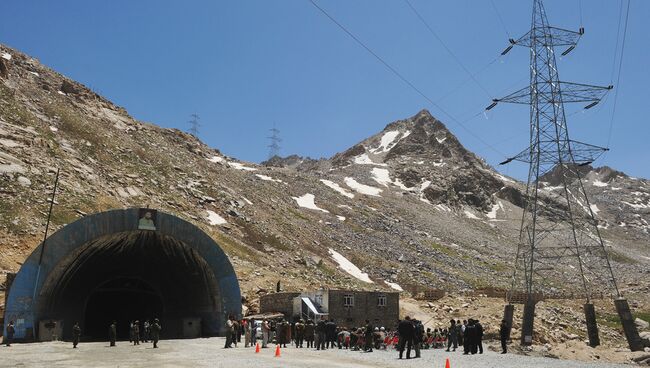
[[210, 353]]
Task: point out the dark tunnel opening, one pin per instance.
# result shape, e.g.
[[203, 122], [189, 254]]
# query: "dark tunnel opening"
[[135, 275], [107, 304]]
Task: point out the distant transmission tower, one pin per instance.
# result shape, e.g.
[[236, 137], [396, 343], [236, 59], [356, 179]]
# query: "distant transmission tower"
[[559, 247], [274, 138], [194, 125]]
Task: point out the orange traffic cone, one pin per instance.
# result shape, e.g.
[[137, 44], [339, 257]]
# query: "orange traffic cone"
[[447, 365], [277, 351], [257, 348]]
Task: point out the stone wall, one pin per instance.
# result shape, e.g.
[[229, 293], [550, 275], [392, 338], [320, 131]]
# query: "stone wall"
[[278, 302], [366, 306]]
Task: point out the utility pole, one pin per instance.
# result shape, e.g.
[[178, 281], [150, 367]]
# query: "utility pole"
[[274, 138], [560, 246], [194, 125]]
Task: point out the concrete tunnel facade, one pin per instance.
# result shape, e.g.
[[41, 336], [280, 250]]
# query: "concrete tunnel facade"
[[124, 265]]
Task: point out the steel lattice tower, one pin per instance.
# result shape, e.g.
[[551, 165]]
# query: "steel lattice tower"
[[559, 246], [274, 145]]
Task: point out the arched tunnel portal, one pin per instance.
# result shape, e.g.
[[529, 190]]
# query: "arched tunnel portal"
[[124, 265]]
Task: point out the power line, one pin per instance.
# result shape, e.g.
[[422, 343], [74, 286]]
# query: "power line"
[[460, 63], [618, 78], [503, 24], [401, 77]]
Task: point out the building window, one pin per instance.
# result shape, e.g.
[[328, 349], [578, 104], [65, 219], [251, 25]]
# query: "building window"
[[319, 299], [348, 300], [381, 301]]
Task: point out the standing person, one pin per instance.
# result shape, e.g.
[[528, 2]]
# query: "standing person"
[[419, 333], [300, 333], [236, 334], [253, 326], [266, 330], [479, 336], [321, 334], [247, 332], [503, 334], [11, 330], [330, 331], [229, 332], [406, 331], [470, 337], [461, 332], [76, 334], [279, 332], [147, 331], [286, 326], [369, 336], [452, 335], [309, 333], [131, 331], [466, 338], [136, 332], [155, 332], [112, 333]]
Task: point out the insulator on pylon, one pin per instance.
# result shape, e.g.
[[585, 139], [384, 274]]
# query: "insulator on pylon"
[[591, 105], [506, 50], [581, 30], [494, 103], [568, 50], [585, 163], [506, 161]]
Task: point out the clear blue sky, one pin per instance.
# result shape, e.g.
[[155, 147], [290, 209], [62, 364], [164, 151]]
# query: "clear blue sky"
[[243, 65]]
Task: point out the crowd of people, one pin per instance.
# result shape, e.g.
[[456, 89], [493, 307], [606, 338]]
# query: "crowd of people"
[[407, 335]]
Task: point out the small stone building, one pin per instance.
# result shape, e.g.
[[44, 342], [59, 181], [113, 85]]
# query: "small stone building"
[[347, 307]]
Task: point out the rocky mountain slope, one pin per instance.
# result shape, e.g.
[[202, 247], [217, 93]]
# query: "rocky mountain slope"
[[408, 207]]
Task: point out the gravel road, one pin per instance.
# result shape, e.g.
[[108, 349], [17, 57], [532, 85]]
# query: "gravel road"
[[210, 353]]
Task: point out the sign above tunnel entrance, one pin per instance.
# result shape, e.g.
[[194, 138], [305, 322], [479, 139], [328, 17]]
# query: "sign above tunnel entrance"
[[147, 219]]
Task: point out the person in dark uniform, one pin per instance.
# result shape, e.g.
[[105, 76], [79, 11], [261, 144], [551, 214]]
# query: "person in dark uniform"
[[76, 334], [369, 336], [320, 331], [155, 332], [479, 336], [136, 333], [452, 335], [11, 330], [406, 332], [330, 331], [300, 333], [309, 333], [470, 337], [112, 333], [503, 334]]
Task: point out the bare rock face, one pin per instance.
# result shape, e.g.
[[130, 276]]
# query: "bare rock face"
[[4, 69], [68, 87], [409, 206]]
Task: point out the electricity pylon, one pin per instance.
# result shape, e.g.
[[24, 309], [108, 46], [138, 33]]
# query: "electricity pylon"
[[194, 125], [274, 138], [560, 246]]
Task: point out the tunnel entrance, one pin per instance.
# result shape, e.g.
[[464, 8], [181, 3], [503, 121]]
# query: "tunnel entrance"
[[121, 300], [128, 276], [124, 265]]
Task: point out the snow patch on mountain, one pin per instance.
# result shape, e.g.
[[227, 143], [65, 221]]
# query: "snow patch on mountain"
[[337, 188], [238, 166], [349, 267], [307, 201], [6, 56], [364, 159], [362, 188], [493, 213], [268, 178], [394, 285], [470, 215], [598, 183], [214, 219]]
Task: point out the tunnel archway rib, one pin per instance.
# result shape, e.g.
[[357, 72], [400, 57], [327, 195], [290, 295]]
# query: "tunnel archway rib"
[[178, 260]]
